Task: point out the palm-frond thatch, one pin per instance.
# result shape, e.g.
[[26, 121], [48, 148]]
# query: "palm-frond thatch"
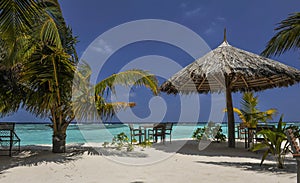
[[229, 69], [248, 72]]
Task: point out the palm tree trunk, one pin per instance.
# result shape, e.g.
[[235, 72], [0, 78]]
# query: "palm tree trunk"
[[59, 134], [59, 142]]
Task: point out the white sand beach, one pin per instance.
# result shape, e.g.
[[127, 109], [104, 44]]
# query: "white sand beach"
[[160, 163]]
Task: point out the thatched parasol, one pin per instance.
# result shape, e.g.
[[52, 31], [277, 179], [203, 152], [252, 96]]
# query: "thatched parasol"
[[229, 69]]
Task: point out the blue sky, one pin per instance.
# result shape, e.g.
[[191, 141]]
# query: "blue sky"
[[249, 24]]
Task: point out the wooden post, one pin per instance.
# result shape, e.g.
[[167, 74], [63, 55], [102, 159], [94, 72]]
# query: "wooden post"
[[296, 150], [297, 157], [231, 131]]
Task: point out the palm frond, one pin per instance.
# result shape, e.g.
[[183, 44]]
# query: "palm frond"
[[49, 33], [108, 110], [41, 78], [17, 18], [250, 114], [11, 92], [240, 114], [68, 41], [287, 38], [128, 78]]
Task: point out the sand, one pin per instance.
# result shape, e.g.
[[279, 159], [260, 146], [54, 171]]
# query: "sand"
[[159, 163]]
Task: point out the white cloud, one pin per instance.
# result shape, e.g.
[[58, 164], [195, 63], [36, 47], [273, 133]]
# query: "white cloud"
[[193, 12], [215, 25], [221, 19], [183, 5], [209, 31], [102, 47]]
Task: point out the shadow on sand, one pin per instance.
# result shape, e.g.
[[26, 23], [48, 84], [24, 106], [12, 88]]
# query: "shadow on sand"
[[35, 155], [214, 149]]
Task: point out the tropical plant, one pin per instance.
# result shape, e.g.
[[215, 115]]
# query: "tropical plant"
[[287, 38], [198, 133], [220, 137], [40, 61], [89, 101], [249, 112], [273, 140], [146, 143], [35, 43], [211, 131], [122, 140]]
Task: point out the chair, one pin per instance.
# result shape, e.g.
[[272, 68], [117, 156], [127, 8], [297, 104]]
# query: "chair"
[[157, 131], [8, 137], [168, 130], [135, 132], [241, 131]]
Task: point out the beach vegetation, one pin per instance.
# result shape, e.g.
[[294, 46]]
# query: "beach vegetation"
[[249, 113], [286, 38], [211, 131], [39, 69], [90, 101], [40, 51], [120, 141], [274, 143], [105, 144], [146, 143]]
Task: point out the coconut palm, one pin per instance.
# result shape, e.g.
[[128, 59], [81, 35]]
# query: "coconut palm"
[[17, 18], [287, 38], [42, 57], [89, 101], [11, 93], [33, 37]]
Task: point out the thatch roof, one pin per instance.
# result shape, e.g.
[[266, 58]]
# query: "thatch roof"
[[246, 71]]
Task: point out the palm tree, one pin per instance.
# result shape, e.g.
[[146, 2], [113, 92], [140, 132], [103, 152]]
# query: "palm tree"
[[41, 59], [17, 18], [11, 93], [33, 37], [287, 38], [250, 114], [89, 101]]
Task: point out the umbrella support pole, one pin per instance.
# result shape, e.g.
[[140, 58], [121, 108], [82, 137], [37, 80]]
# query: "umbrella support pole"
[[230, 123]]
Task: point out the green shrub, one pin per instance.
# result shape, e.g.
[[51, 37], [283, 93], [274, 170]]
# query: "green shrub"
[[273, 140], [120, 141], [211, 131]]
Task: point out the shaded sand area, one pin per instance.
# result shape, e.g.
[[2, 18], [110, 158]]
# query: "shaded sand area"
[[160, 163]]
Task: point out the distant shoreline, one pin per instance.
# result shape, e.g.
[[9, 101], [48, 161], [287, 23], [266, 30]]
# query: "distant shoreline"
[[108, 123]]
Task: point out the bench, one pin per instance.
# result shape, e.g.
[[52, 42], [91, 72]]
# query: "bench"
[[295, 150], [8, 138]]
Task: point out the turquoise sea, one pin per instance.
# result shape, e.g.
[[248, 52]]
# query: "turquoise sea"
[[34, 134]]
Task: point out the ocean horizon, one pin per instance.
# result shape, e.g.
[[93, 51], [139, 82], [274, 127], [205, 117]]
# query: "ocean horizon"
[[41, 133]]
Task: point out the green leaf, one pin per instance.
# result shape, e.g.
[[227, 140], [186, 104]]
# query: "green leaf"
[[287, 37], [264, 157]]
